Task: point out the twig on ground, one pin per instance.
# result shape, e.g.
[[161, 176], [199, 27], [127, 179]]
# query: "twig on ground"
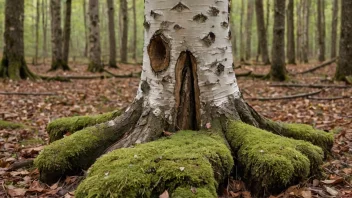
[[318, 67], [21, 164], [27, 94], [288, 97], [312, 86], [331, 98]]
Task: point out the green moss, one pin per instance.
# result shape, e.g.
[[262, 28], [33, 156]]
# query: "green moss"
[[58, 128], [184, 160], [74, 153], [10, 125], [271, 162], [319, 138]]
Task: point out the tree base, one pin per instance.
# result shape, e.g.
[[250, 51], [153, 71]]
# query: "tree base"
[[56, 65], [15, 70], [268, 162]]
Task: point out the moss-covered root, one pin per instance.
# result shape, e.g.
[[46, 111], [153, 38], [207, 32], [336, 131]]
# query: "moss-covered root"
[[58, 128], [187, 164], [271, 162], [11, 125], [78, 152]]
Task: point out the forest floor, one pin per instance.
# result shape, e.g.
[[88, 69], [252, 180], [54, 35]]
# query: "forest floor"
[[330, 109]]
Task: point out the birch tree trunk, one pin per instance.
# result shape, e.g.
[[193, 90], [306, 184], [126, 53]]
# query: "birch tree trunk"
[[112, 36], [13, 64], [67, 31], [56, 37], [278, 70], [344, 66], [124, 30], [250, 7], [95, 64], [262, 32], [291, 54], [334, 23]]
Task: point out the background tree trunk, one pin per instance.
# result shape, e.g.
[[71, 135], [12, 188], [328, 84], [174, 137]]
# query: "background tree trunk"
[[67, 31], [45, 27], [250, 7], [37, 21], [299, 30], [321, 30], [262, 31], [344, 67], [112, 36], [291, 54], [278, 70], [13, 64], [305, 33], [56, 37], [94, 38], [242, 39], [134, 45], [124, 31], [334, 23], [86, 46]]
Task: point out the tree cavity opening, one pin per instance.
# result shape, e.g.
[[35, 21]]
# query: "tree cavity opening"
[[187, 93], [159, 53]]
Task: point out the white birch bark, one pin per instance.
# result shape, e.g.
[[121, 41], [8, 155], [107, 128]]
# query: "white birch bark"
[[190, 25]]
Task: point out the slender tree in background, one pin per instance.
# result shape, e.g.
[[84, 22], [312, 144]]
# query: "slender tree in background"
[[299, 30], [124, 31], [334, 22], [233, 30], [13, 64], [242, 39], [248, 30], [262, 31], [37, 21], [291, 54], [321, 29], [84, 4], [67, 31], [44, 27], [56, 37], [95, 64], [305, 29], [134, 44], [278, 69], [112, 36], [344, 66]]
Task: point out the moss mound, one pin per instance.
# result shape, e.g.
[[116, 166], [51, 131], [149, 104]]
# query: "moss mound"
[[187, 159], [271, 162], [10, 125], [74, 153], [58, 128]]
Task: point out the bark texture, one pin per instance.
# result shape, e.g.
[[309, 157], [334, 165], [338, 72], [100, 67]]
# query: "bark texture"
[[13, 64], [291, 53], [262, 31], [278, 70], [344, 67], [112, 36], [334, 23], [56, 37], [124, 30], [67, 31], [95, 64]]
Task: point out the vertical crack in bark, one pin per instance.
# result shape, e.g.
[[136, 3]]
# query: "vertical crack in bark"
[[187, 93]]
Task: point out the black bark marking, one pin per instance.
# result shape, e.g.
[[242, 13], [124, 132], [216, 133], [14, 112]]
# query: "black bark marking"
[[180, 7], [159, 52], [209, 39], [146, 24], [200, 18], [155, 14], [220, 69], [166, 24], [214, 11], [145, 87], [178, 27], [224, 24]]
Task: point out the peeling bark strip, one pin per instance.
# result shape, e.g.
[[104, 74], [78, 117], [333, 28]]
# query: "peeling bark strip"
[[187, 92], [159, 53]]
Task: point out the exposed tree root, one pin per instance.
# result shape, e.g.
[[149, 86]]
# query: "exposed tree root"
[[58, 128], [288, 97], [267, 161], [312, 86], [319, 66]]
